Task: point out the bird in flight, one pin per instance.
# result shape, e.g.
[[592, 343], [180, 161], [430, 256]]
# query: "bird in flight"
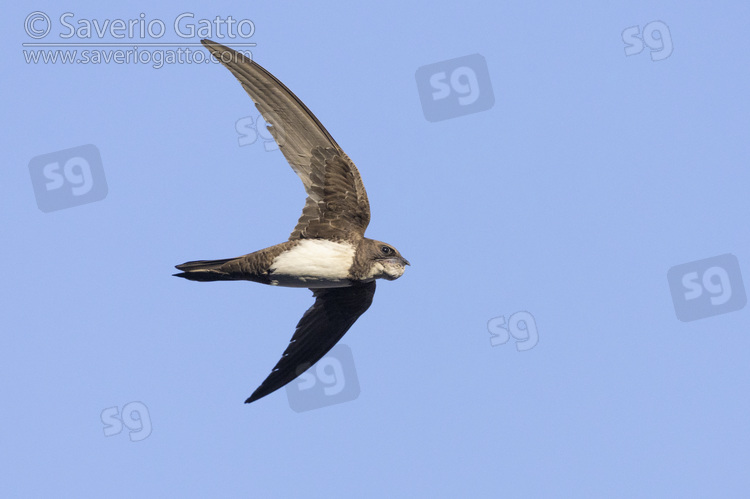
[[327, 251]]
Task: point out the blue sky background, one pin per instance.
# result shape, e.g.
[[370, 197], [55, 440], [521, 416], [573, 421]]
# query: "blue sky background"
[[592, 175]]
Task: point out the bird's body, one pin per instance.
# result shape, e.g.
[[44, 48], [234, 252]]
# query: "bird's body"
[[327, 251], [300, 263], [315, 264]]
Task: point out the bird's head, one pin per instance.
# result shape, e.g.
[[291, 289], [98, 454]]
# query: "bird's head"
[[386, 261]]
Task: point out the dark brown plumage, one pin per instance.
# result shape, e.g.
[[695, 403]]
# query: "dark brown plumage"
[[327, 251]]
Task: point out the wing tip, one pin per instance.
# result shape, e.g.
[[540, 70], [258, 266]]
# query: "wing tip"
[[218, 50], [255, 396]]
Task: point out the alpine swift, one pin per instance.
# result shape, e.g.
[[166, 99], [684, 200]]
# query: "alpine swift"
[[327, 251]]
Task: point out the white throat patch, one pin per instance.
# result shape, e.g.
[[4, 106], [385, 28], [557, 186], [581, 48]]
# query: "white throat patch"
[[313, 263]]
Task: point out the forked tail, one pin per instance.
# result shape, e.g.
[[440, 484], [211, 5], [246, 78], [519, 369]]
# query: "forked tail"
[[206, 270]]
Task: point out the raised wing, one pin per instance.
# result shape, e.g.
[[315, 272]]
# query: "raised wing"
[[322, 326], [337, 205]]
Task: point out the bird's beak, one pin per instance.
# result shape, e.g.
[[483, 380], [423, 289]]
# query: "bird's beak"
[[404, 261]]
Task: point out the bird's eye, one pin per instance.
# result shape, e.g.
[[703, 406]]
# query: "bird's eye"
[[386, 250]]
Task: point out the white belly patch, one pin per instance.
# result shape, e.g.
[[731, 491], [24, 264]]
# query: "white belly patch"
[[313, 263]]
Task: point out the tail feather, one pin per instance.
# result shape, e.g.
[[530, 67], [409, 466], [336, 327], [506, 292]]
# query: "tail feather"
[[205, 270]]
